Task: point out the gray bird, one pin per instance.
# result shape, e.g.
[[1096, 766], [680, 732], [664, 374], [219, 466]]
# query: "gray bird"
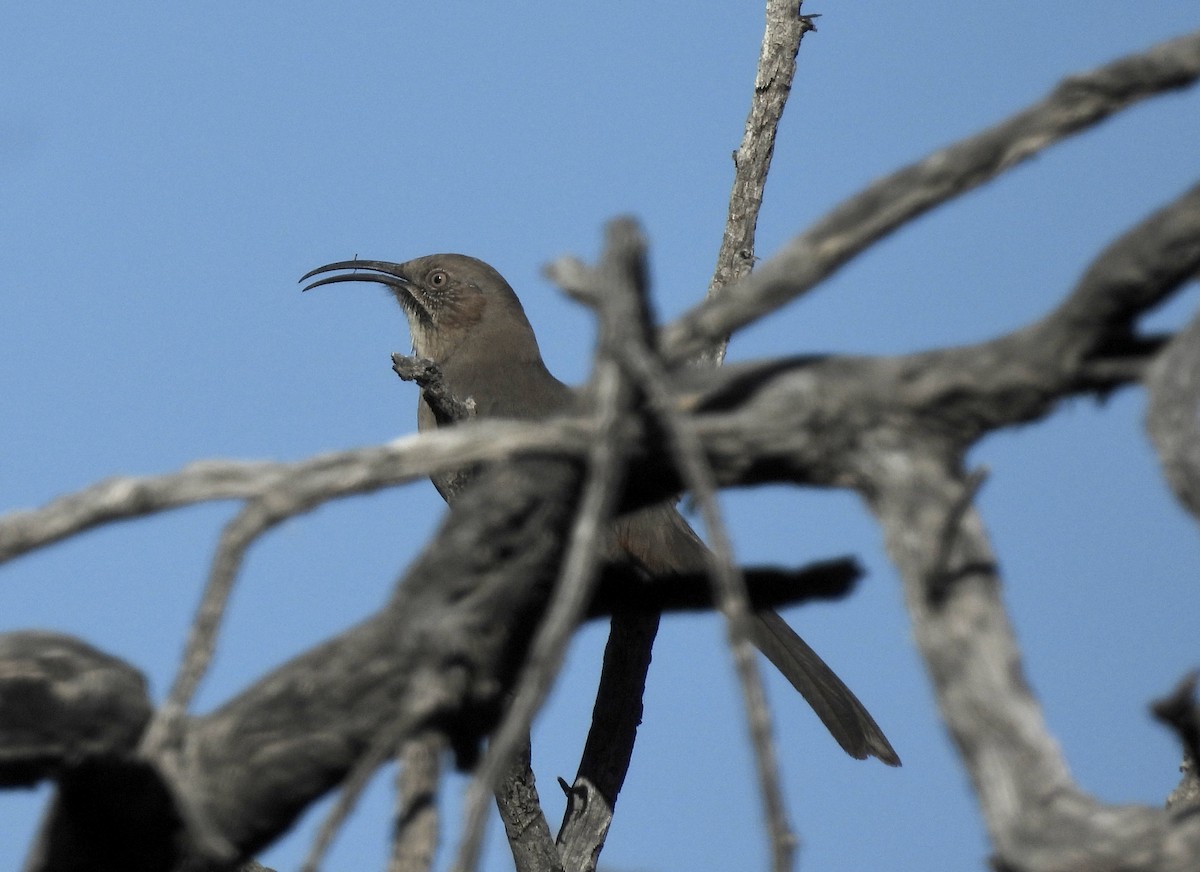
[[466, 318]]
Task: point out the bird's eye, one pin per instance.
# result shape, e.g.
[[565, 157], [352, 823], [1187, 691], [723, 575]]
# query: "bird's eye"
[[438, 279]]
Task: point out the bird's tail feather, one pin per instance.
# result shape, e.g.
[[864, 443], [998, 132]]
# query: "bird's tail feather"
[[847, 719]]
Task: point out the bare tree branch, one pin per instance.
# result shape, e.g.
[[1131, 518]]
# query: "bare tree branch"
[[803, 419], [382, 747], [1078, 103], [516, 793], [845, 421], [443, 651], [566, 610], [525, 824], [63, 701], [255, 519], [281, 743], [306, 483], [616, 714], [415, 835], [636, 357], [300, 730], [785, 28], [730, 591], [1037, 817]]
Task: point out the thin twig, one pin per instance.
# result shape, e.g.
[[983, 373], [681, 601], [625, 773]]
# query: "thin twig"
[[645, 370], [250, 523], [785, 28]]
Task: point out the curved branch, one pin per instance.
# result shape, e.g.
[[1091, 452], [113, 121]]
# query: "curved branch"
[[1037, 817], [1132, 275], [307, 483]]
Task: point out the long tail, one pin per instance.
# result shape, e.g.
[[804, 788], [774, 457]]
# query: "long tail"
[[847, 719], [660, 540]]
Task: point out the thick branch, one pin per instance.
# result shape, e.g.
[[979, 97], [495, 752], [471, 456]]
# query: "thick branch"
[[442, 653], [1036, 816], [803, 419], [62, 701]]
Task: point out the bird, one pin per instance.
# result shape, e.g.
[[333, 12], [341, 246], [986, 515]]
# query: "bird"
[[465, 318]]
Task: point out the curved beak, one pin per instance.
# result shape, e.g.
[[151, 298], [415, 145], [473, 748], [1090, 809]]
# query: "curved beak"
[[381, 271]]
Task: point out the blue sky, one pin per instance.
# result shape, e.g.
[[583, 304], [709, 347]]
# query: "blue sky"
[[168, 172]]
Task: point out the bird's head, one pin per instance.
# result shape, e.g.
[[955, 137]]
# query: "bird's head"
[[449, 299]]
